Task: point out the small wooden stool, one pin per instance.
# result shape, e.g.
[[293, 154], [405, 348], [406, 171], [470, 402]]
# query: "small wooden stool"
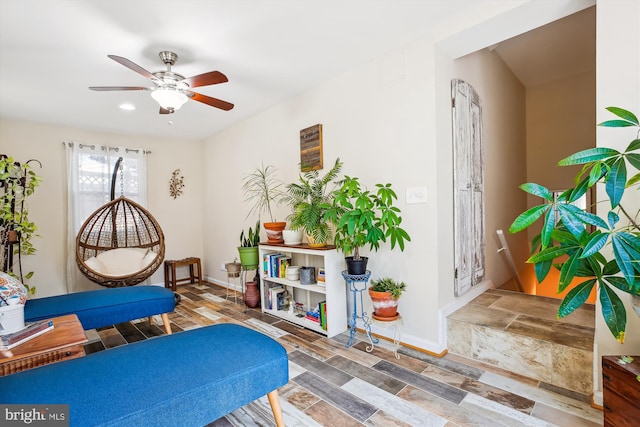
[[170, 280]]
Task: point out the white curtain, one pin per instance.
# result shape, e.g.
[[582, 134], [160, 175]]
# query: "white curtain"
[[89, 176]]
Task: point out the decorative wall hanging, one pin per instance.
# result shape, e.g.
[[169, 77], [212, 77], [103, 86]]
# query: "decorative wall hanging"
[[311, 148], [176, 184]]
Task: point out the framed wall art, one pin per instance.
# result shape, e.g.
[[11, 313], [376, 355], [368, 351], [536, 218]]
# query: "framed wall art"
[[311, 148]]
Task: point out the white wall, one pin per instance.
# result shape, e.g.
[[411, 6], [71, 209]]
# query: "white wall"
[[618, 84], [180, 219]]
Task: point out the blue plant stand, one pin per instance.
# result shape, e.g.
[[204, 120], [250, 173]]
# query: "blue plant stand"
[[357, 285]]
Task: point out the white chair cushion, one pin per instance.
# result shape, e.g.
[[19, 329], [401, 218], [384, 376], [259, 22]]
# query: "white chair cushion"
[[122, 261], [96, 265], [148, 259]]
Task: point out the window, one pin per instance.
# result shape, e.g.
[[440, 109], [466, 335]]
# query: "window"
[[89, 174]]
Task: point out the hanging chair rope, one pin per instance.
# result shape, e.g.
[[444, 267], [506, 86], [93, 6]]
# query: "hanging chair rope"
[[121, 223]]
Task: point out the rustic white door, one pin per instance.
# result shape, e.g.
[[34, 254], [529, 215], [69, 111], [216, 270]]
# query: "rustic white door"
[[469, 233]]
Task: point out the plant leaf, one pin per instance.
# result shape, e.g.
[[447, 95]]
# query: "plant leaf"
[[588, 156], [568, 271], [615, 316], [616, 124], [616, 181], [597, 240], [550, 253], [537, 190], [542, 268], [527, 218], [576, 297], [626, 249], [634, 159], [623, 114]]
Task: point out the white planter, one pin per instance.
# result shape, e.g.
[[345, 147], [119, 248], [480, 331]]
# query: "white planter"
[[292, 237]]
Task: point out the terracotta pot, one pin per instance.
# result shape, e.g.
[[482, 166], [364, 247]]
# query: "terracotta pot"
[[384, 305], [252, 295], [274, 231]]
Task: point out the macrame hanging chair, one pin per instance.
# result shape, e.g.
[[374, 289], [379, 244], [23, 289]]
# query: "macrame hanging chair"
[[121, 243]]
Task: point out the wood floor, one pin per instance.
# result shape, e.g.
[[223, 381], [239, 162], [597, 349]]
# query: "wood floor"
[[331, 385]]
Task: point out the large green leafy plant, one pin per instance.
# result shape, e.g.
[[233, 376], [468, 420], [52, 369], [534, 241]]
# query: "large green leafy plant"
[[365, 218], [574, 241], [17, 183]]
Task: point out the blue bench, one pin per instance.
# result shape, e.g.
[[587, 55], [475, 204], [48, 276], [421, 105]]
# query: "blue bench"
[[188, 378], [105, 307]]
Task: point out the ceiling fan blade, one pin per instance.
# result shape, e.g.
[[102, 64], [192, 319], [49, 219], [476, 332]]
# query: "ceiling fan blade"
[[132, 66], [206, 79], [218, 103], [166, 111], [105, 88]]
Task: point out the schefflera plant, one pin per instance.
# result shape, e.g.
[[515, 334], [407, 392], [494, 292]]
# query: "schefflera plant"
[[574, 241]]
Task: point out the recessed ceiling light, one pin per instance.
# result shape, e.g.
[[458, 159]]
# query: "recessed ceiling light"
[[127, 107]]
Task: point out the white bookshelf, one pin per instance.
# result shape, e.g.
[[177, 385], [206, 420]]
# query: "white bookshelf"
[[334, 291]]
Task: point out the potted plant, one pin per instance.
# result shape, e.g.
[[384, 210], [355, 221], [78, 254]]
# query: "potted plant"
[[264, 189], [573, 240], [362, 218], [248, 249], [17, 182], [384, 294], [308, 199]]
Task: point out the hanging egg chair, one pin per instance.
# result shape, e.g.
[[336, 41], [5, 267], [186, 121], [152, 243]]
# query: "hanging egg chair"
[[120, 244]]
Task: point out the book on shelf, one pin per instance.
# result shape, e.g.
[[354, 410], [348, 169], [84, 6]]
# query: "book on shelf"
[[322, 306], [276, 298], [30, 331], [283, 262], [271, 265]]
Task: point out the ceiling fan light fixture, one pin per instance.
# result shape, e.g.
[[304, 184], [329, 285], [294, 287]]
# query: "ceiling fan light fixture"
[[169, 99]]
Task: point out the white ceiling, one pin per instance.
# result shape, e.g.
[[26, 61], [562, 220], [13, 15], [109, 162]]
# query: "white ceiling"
[[51, 51]]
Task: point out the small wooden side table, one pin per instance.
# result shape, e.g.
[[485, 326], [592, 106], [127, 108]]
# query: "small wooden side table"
[[170, 280], [64, 341]]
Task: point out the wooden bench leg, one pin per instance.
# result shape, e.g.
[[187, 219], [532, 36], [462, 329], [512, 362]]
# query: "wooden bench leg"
[[167, 325], [274, 401]]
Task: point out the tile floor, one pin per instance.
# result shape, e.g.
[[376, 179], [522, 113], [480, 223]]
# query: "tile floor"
[[331, 385]]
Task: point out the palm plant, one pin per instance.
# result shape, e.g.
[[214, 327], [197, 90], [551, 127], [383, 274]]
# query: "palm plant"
[[264, 189], [566, 241], [308, 199]]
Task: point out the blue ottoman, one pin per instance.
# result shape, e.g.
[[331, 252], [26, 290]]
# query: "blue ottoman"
[[188, 378]]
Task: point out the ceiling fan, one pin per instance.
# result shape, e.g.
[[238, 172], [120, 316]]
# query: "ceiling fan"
[[171, 90]]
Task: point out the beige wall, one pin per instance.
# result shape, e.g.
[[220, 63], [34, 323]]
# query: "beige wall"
[[503, 108], [180, 219], [560, 121]]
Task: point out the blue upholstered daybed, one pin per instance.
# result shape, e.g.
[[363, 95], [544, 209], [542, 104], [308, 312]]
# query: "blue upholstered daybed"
[[188, 378], [104, 307]]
